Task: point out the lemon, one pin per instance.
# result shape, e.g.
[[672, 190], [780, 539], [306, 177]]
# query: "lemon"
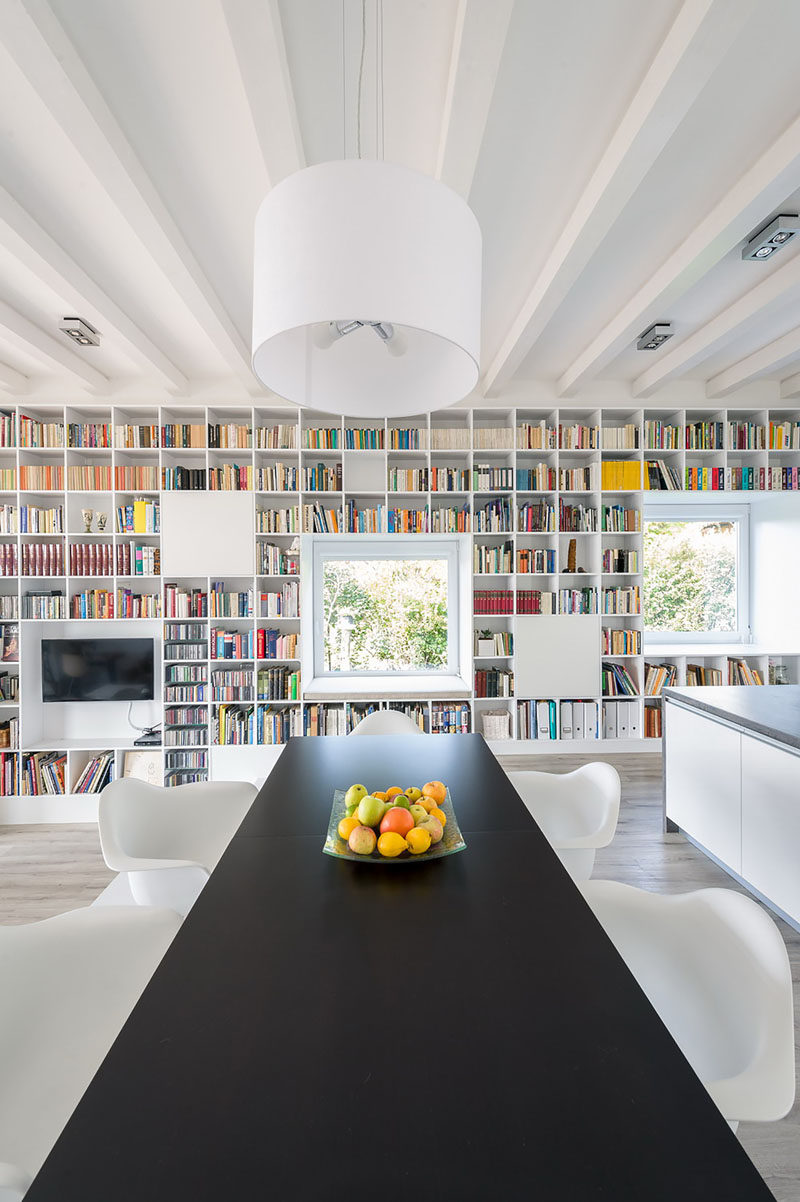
[[391, 844], [418, 840], [436, 812], [346, 826]]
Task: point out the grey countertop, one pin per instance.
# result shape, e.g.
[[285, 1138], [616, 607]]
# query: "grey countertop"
[[772, 710]]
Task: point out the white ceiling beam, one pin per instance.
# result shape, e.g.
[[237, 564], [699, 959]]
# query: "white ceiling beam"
[[762, 188], [42, 49], [478, 41], [12, 380], [790, 387], [32, 246], [721, 330], [256, 35], [696, 43], [772, 357], [51, 351]]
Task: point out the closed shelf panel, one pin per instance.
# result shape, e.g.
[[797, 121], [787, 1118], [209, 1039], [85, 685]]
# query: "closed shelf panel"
[[702, 765], [771, 823]]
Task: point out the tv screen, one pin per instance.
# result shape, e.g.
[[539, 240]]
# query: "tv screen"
[[97, 669]]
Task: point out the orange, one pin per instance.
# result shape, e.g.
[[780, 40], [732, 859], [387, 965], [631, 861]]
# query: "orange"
[[390, 844], [427, 803], [440, 814], [418, 841], [436, 790], [390, 793], [398, 820], [346, 826], [380, 796]]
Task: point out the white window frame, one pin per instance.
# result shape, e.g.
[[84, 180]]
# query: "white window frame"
[[698, 512], [454, 548]]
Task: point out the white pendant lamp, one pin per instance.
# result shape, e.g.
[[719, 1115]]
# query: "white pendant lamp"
[[366, 295]]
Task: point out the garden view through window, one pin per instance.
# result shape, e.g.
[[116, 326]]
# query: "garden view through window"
[[690, 576], [385, 615]]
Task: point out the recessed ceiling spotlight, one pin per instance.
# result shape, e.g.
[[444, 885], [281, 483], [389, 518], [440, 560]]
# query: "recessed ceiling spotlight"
[[773, 236], [654, 337], [80, 331]]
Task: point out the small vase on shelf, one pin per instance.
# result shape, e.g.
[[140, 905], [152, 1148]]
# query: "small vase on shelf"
[[87, 515]]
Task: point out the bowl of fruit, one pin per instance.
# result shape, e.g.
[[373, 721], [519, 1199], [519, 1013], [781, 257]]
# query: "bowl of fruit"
[[393, 826]]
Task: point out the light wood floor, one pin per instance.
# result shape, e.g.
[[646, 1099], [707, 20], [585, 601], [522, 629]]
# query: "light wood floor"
[[46, 870]]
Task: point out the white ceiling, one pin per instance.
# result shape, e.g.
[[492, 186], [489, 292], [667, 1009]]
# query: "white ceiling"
[[617, 155]]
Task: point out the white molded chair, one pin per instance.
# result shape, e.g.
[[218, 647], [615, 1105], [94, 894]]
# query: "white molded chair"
[[69, 984], [168, 841], [576, 811], [714, 966], [387, 722]]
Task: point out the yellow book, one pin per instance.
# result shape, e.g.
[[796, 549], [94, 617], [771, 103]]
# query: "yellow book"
[[140, 517]]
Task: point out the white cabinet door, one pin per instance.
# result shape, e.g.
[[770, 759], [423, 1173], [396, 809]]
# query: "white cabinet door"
[[702, 766], [771, 823]]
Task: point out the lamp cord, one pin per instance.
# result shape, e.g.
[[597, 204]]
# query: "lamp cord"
[[361, 73]]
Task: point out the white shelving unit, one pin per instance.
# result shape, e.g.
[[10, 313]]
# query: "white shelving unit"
[[485, 471]]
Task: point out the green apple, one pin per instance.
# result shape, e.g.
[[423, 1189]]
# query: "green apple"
[[353, 796], [370, 810], [401, 800], [418, 813]]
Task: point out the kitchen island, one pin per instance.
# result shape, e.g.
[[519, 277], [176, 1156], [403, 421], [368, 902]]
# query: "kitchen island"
[[732, 783]]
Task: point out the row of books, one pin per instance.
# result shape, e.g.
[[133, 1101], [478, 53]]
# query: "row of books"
[[186, 692], [8, 606], [230, 435], [494, 682], [185, 715], [550, 719], [184, 434], [541, 478], [277, 477], [273, 560], [9, 686], [576, 437], [502, 642], [280, 437], [661, 476], [140, 517], [740, 672], [493, 559], [363, 521], [184, 630], [278, 725], [183, 479], [236, 603], [494, 517], [182, 602], [94, 477], [322, 438], [49, 477], [102, 603], [186, 736], [363, 438], [230, 477], [536, 560], [617, 519], [620, 438], [186, 650], [620, 475], [176, 760], [653, 725], [231, 644], [42, 772], [34, 433], [658, 677], [8, 429], [44, 605], [232, 684], [322, 478], [97, 773], [9, 770], [273, 644], [448, 479], [278, 684], [133, 478], [578, 479], [488, 478], [9, 732], [131, 437], [621, 642], [576, 519], [8, 559], [283, 604], [137, 605], [619, 560], [185, 674], [616, 681], [45, 559], [137, 559], [622, 600], [450, 718], [577, 600]]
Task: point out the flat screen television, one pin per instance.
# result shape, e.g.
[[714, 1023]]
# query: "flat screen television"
[[98, 669]]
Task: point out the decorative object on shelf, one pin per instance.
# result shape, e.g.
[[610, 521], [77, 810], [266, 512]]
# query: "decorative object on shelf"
[[102, 518], [496, 724], [485, 643], [87, 515], [572, 555]]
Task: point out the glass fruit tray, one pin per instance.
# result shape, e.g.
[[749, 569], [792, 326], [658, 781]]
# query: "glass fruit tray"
[[451, 841]]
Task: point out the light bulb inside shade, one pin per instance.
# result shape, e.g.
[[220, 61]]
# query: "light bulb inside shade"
[[324, 334], [397, 345]]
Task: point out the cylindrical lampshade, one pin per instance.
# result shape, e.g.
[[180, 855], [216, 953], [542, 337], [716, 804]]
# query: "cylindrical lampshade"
[[367, 241]]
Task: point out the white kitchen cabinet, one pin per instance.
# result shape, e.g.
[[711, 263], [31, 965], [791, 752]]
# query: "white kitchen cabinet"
[[703, 781], [771, 823]]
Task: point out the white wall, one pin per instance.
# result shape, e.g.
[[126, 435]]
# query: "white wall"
[[775, 570]]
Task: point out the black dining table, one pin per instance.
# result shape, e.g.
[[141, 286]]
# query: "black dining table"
[[459, 1028]]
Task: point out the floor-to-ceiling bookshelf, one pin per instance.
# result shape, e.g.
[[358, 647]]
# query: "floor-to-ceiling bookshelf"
[[551, 499]]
